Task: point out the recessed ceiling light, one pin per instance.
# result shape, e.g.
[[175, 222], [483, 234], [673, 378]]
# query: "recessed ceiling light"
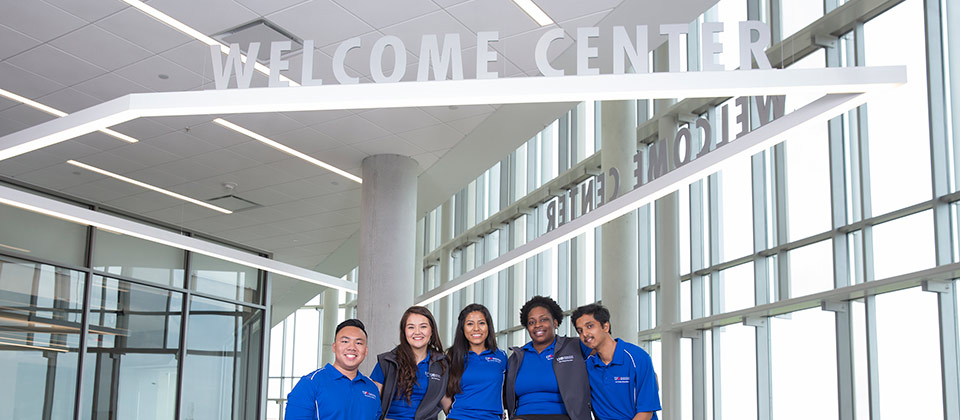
[[53, 111], [534, 12], [148, 186], [288, 150], [199, 36], [163, 76]]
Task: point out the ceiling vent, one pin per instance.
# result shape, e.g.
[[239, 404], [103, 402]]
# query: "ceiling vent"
[[233, 203], [264, 32]]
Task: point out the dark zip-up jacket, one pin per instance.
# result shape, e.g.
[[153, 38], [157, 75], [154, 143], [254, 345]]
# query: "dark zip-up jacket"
[[571, 372], [437, 373]]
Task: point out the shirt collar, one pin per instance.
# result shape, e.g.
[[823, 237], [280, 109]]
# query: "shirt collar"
[[529, 346], [617, 355], [332, 372]]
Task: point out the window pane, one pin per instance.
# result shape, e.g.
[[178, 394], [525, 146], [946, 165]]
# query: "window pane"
[[45, 237], [808, 336], [131, 361], [136, 258], [737, 288], [736, 217], [39, 339], [223, 278], [738, 372], [903, 245], [897, 123], [797, 14], [221, 374], [811, 269], [808, 182], [908, 349], [306, 336]]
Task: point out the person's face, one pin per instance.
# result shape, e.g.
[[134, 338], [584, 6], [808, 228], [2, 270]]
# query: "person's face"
[[349, 348], [541, 325], [475, 328], [591, 332], [417, 330]]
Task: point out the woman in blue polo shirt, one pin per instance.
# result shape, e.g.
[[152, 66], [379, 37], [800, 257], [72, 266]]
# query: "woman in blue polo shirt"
[[413, 376], [547, 377], [476, 368]]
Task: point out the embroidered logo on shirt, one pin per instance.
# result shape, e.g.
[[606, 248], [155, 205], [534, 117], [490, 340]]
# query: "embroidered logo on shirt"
[[493, 359], [621, 379], [564, 359], [433, 376], [369, 395], [549, 357]]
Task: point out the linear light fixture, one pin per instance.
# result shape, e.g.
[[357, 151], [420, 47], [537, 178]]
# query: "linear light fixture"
[[148, 186], [534, 11], [84, 216], [288, 150], [53, 111], [14, 248], [3, 342], [199, 36]]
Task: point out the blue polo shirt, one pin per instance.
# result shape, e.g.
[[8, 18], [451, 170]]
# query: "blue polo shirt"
[[481, 387], [536, 385], [625, 387], [329, 395], [399, 409]]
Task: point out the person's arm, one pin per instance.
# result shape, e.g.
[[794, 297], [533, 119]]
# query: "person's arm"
[[648, 398], [301, 401], [643, 416], [379, 388], [445, 403]]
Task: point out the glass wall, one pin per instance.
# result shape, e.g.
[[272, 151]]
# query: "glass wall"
[[147, 341], [817, 273]]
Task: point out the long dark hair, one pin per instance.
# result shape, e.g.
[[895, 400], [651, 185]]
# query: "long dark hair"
[[458, 351], [407, 369]]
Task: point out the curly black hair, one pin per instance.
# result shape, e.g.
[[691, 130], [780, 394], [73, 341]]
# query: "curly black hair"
[[543, 302]]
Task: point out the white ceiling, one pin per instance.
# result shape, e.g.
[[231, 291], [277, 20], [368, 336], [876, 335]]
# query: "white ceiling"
[[72, 55]]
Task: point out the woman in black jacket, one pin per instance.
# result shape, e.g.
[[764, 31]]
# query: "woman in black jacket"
[[547, 377], [413, 376]]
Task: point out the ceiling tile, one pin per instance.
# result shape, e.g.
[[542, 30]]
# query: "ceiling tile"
[[412, 31], [322, 69], [145, 31], [25, 83], [179, 214], [26, 115], [398, 120], [316, 117], [343, 157], [89, 10], [55, 64], [113, 163], [109, 86], [93, 192], [264, 124], [199, 191], [457, 112], [100, 47], [182, 144], [216, 134], [121, 188], [38, 159], [38, 20], [351, 129], [340, 201], [157, 177], [142, 128], [388, 145], [267, 196], [193, 56], [433, 138], [145, 202], [266, 7], [448, 3], [144, 154], [184, 121], [8, 126], [222, 15], [570, 26], [148, 73], [466, 125], [100, 141], [425, 160], [306, 140], [503, 16], [323, 21], [67, 150], [13, 169], [380, 14], [519, 48], [223, 161], [259, 152], [58, 177], [562, 10], [69, 100], [254, 178], [14, 42]]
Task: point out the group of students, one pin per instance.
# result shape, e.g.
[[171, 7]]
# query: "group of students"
[[550, 378]]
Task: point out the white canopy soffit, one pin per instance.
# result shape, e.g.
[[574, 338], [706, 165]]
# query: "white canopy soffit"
[[843, 88], [452, 92]]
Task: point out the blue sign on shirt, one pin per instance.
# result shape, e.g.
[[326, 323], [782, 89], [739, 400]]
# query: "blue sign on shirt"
[[481, 396], [399, 408], [536, 386], [329, 395], [625, 387]]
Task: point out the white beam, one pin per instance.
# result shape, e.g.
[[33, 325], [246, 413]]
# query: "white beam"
[[85, 216]]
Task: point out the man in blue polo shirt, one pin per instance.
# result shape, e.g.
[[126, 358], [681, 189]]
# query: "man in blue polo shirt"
[[338, 391], [623, 385]]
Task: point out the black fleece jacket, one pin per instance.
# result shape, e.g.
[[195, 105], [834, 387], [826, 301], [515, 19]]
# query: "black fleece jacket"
[[571, 374], [436, 384]]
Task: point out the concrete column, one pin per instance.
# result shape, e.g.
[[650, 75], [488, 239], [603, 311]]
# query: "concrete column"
[[618, 266], [388, 220], [330, 320]]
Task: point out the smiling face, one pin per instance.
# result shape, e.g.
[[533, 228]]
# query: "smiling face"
[[541, 326], [592, 334], [475, 328], [349, 349], [417, 331]]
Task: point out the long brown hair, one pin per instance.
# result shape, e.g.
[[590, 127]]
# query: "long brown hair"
[[457, 352], [407, 363]]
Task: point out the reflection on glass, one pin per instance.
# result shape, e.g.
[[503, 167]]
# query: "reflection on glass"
[[738, 367], [36, 235], [136, 258], [222, 368], [130, 370], [40, 314], [225, 279], [812, 331]]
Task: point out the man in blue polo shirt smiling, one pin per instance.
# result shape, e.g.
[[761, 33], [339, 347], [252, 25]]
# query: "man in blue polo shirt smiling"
[[338, 391], [623, 385]]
